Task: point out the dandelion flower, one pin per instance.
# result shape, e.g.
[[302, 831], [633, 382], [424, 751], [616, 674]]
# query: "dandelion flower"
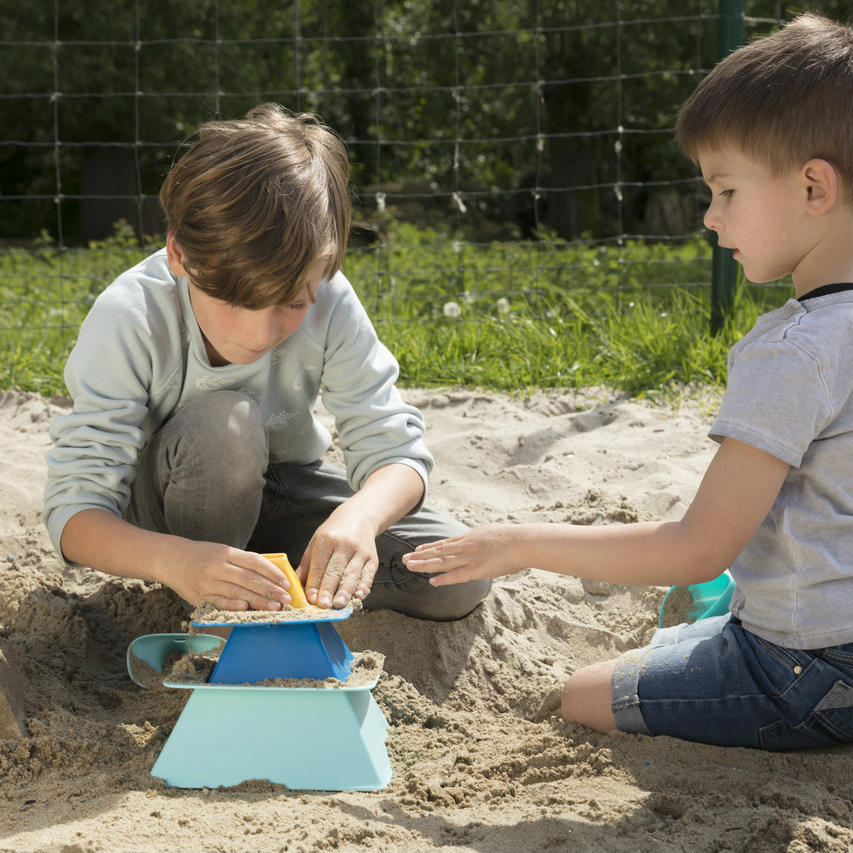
[[451, 309], [503, 305]]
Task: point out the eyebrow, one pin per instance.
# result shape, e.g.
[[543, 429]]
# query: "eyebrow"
[[306, 295]]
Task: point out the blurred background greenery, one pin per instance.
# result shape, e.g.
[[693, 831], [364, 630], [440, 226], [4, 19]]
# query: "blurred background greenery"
[[512, 158]]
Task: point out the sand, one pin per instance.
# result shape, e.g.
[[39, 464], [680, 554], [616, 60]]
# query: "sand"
[[480, 760]]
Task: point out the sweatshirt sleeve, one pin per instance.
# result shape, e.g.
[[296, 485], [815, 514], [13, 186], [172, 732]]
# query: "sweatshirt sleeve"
[[375, 427], [93, 461]]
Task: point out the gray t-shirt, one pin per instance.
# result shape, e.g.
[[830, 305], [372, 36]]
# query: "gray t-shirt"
[[790, 393]]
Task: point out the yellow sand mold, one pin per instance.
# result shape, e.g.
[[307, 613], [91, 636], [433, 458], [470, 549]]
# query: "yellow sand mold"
[[297, 594]]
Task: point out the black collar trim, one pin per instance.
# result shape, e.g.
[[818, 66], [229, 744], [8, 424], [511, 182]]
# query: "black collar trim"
[[825, 290]]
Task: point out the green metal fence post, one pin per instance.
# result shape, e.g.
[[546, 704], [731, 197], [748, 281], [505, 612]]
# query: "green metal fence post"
[[724, 266]]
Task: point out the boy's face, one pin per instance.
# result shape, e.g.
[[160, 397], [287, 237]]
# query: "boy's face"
[[755, 213], [236, 335]]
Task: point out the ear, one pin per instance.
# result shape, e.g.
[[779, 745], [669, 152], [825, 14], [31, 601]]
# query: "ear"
[[174, 255], [820, 181]]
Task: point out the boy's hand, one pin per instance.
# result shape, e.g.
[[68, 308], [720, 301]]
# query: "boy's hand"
[[485, 552], [340, 561], [200, 572], [227, 578]]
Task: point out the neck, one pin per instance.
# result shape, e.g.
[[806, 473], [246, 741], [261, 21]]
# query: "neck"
[[831, 257], [213, 356]]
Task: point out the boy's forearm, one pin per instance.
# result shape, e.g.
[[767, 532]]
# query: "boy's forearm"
[[389, 493], [103, 541], [648, 553], [736, 494]]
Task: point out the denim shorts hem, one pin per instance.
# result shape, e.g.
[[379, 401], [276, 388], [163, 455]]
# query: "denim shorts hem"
[[626, 699]]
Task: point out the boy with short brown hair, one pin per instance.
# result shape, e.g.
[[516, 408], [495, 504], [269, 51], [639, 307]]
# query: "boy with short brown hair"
[[771, 130]]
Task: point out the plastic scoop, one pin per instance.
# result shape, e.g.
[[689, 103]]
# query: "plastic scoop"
[[697, 601], [297, 594], [147, 655]]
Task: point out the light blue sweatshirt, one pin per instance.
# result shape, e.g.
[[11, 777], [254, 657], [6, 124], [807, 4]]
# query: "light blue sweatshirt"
[[140, 356]]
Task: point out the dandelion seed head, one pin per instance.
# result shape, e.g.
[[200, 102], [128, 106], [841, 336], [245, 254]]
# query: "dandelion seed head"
[[451, 309]]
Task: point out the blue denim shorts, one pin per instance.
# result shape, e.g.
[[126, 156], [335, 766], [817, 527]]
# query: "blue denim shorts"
[[715, 682]]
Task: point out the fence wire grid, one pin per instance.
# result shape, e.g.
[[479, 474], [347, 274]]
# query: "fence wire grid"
[[489, 140]]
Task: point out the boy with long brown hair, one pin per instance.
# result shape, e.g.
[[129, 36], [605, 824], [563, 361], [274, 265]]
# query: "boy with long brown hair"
[[193, 447]]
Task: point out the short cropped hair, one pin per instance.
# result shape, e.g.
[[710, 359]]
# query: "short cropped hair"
[[255, 201], [783, 100]]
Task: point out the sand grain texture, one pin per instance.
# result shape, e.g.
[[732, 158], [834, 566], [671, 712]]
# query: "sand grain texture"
[[480, 761]]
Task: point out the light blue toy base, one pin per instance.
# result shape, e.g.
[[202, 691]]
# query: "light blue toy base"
[[255, 652], [322, 687], [711, 598], [306, 739]]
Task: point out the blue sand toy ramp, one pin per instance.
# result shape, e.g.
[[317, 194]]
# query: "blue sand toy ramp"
[[283, 650]]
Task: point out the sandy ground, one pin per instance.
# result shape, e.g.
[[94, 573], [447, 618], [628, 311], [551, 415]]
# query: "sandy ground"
[[480, 761]]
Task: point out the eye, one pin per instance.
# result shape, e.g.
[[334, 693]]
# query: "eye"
[[727, 193], [298, 306]]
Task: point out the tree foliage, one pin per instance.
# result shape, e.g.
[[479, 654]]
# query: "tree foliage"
[[504, 117]]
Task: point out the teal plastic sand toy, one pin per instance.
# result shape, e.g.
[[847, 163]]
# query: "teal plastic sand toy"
[[697, 601], [241, 724], [305, 738]]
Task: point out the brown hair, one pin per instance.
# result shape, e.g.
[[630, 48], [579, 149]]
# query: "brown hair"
[[255, 201], [782, 100]]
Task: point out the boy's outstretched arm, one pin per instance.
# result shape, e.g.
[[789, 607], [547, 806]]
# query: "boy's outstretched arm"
[[340, 561], [735, 495], [200, 572]]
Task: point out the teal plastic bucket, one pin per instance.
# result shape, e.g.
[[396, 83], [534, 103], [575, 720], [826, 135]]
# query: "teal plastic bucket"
[[697, 601]]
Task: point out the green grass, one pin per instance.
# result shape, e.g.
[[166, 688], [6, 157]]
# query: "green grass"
[[501, 316]]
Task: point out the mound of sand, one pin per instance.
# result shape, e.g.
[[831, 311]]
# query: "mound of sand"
[[480, 760]]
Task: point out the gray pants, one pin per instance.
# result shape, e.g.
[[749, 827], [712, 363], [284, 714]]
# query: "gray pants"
[[205, 475]]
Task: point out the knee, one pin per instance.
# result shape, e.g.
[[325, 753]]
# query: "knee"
[[573, 697], [231, 428], [449, 603], [587, 697], [226, 439], [415, 596], [239, 417]]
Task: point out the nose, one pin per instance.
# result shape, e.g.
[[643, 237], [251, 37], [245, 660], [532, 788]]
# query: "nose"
[[264, 331], [711, 219]]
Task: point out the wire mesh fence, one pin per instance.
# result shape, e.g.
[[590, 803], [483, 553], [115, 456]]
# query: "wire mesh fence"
[[501, 150]]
